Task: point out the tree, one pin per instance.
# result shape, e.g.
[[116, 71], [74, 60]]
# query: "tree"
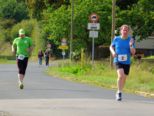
[[58, 24], [12, 10], [140, 17], [36, 7], [125, 4]]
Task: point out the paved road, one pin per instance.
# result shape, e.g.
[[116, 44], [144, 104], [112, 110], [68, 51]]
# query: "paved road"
[[48, 96]]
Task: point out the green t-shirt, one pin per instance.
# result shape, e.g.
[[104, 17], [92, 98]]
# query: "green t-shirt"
[[21, 45]]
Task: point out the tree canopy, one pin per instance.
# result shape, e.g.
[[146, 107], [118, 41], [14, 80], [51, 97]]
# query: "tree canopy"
[[10, 9], [53, 19]]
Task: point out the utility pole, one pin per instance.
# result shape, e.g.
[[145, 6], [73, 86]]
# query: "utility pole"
[[72, 21], [113, 28]]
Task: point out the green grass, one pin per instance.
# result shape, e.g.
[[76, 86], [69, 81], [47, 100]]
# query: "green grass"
[[140, 80], [6, 56], [6, 61], [150, 57]]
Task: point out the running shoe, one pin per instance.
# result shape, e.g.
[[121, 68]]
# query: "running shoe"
[[119, 96], [21, 85]]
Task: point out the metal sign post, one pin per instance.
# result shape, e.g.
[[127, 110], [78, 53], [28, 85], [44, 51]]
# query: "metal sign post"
[[93, 34], [63, 47], [93, 26], [93, 47], [63, 54]]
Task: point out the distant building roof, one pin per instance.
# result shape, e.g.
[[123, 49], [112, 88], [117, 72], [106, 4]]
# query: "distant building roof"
[[146, 43]]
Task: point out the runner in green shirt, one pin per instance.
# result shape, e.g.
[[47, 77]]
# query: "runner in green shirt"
[[22, 47]]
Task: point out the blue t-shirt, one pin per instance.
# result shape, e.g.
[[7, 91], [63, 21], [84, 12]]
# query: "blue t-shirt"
[[122, 49]]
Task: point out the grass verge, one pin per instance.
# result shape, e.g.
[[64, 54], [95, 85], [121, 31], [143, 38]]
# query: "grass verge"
[[140, 80], [6, 61]]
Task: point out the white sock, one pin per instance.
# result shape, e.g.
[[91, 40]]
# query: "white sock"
[[118, 91]]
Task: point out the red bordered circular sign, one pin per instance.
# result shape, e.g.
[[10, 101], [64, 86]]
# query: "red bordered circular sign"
[[94, 18]]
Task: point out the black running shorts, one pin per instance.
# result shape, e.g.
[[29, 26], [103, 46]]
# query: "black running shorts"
[[125, 67], [22, 65]]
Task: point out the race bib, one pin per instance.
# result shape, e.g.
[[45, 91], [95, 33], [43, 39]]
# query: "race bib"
[[122, 57], [21, 57]]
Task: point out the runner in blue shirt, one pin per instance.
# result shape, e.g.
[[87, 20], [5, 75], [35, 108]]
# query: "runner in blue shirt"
[[122, 47]]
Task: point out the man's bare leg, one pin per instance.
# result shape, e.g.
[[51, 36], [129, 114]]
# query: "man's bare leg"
[[20, 78]]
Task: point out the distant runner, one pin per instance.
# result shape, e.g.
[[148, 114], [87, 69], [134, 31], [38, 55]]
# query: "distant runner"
[[46, 55], [122, 47], [22, 47], [40, 57]]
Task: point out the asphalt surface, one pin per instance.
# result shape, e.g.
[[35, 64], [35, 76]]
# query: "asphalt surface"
[[49, 96]]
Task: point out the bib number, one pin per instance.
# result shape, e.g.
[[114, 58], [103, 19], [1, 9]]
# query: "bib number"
[[21, 57], [122, 57]]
